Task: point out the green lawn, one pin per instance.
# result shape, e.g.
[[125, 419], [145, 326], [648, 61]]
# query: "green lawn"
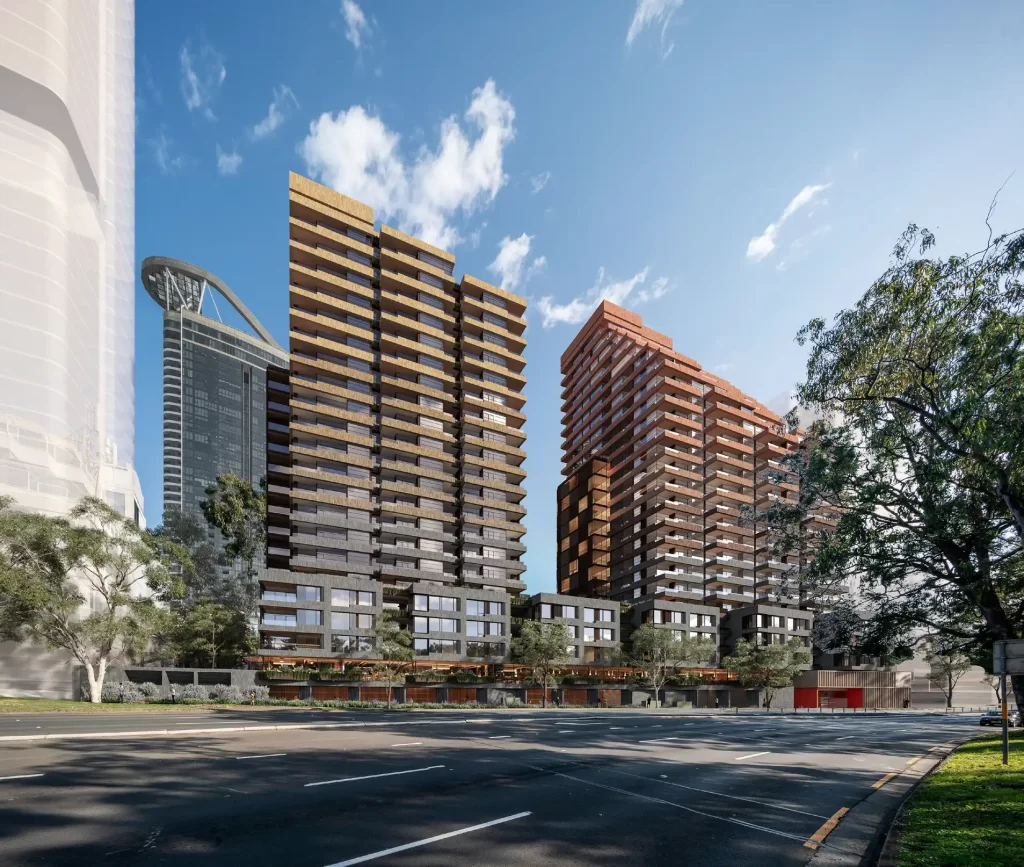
[[32, 705], [969, 813]]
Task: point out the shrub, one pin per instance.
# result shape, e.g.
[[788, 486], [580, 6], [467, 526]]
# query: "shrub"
[[149, 690], [262, 693], [113, 691], [193, 691], [223, 692]]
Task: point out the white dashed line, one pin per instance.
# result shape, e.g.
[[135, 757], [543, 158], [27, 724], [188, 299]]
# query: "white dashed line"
[[21, 777], [264, 756], [751, 756]]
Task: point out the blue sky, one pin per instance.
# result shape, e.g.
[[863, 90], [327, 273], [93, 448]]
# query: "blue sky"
[[727, 170]]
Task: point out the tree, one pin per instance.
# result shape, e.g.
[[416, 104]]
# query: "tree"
[[659, 653], [239, 511], [394, 647], [542, 647], [51, 568], [203, 576], [207, 630], [769, 667], [845, 629], [918, 457], [947, 666], [995, 683]]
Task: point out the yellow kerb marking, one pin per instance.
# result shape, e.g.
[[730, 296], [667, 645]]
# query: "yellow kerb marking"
[[819, 836], [883, 781]]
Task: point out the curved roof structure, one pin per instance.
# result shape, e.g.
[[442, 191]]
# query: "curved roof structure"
[[177, 285]]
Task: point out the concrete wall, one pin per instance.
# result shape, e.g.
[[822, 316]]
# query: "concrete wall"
[[29, 670]]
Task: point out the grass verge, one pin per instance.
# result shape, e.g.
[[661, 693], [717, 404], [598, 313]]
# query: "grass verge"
[[970, 812], [36, 705]]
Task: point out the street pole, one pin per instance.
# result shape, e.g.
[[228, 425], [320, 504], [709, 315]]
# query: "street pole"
[[1006, 722]]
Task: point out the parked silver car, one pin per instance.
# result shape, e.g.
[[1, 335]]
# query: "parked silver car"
[[995, 718]]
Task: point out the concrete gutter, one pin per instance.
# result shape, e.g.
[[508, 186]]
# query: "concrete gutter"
[[864, 833]]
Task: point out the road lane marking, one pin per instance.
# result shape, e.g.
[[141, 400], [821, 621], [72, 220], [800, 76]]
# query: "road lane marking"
[[373, 776], [720, 794], [411, 744], [658, 740], [913, 760], [615, 728], [565, 732], [21, 777], [264, 756], [883, 781], [374, 855], [846, 738], [498, 737], [818, 837], [752, 756], [674, 804]]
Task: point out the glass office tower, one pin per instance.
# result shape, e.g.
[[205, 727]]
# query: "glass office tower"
[[214, 384]]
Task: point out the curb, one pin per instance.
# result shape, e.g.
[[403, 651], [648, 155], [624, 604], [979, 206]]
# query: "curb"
[[264, 728]]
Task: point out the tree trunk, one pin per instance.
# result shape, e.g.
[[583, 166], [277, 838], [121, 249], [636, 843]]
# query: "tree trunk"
[[96, 679], [544, 691], [1017, 687], [949, 692]]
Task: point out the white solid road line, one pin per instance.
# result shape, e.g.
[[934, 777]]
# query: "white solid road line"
[[264, 756], [373, 776], [751, 756], [374, 855], [719, 794], [412, 744], [497, 737], [678, 806], [21, 777]]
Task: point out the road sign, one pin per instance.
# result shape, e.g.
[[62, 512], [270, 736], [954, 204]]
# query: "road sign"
[[1008, 657]]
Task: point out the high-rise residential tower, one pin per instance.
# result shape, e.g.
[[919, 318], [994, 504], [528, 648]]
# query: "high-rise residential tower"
[[395, 435], [67, 246], [690, 462], [214, 383]]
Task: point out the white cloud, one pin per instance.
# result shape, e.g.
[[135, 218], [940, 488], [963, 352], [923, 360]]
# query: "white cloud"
[[538, 182], [798, 250], [579, 308], [283, 100], [763, 244], [355, 22], [228, 163], [201, 76], [355, 153], [652, 12], [512, 255], [508, 264], [163, 153]]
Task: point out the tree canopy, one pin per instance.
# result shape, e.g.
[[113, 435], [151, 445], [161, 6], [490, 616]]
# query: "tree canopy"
[[239, 511], [918, 456], [543, 647], [87, 584], [659, 653], [769, 667]]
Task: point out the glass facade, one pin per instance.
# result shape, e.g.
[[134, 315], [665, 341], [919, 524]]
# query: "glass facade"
[[215, 401]]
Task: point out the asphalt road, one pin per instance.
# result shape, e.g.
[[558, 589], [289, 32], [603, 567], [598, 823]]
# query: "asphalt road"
[[565, 788]]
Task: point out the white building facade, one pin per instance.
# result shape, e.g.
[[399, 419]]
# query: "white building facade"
[[67, 253]]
